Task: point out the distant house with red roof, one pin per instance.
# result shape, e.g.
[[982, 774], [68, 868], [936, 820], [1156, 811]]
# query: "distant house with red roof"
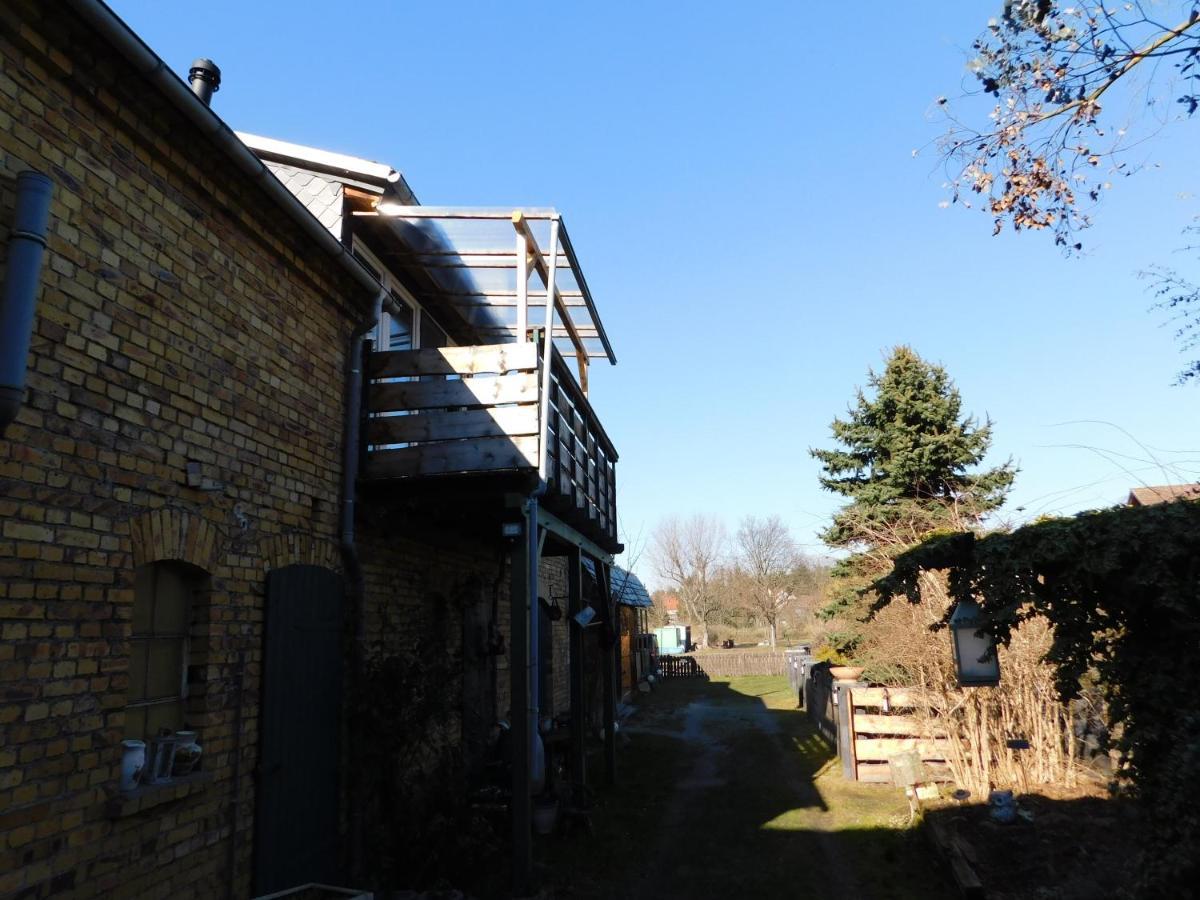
[[1163, 493]]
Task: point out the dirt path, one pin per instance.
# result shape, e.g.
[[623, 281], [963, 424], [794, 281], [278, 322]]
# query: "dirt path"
[[708, 726], [726, 792]]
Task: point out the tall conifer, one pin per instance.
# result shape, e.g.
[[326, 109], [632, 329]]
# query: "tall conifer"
[[907, 464]]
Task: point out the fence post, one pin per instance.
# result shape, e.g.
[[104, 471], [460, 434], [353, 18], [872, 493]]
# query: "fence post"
[[845, 728]]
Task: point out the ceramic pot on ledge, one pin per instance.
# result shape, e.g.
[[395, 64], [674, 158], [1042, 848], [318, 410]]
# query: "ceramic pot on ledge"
[[187, 754], [133, 761]]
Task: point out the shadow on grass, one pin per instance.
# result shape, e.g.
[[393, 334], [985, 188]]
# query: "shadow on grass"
[[726, 791]]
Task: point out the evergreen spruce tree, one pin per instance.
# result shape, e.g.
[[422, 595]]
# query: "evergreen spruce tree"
[[906, 462]]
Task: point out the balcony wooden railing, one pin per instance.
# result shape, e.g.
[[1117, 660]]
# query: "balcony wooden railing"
[[581, 462], [458, 410]]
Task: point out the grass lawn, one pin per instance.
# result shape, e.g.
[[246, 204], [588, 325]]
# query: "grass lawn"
[[726, 791]]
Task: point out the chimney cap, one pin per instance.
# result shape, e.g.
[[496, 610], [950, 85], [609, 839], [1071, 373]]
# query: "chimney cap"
[[206, 70]]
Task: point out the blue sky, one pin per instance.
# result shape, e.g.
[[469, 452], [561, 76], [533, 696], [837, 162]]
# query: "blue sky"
[[740, 185]]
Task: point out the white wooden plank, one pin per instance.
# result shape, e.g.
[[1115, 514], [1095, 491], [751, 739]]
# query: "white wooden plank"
[[885, 748], [516, 387], [896, 697], [870, 723], [472, 360], [881, 772]]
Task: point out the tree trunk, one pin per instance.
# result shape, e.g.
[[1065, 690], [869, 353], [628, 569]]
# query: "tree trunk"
[[774, 632], [703, 635]]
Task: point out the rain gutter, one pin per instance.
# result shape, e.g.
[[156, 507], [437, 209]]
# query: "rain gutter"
[[109, 26]]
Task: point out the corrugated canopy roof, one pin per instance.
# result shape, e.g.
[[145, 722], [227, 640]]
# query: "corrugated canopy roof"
[[627, 588], [473, 258]]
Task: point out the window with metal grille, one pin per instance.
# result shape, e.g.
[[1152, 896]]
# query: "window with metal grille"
[[158, 647]]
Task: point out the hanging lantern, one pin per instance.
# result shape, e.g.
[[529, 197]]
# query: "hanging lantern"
[[975, 655]]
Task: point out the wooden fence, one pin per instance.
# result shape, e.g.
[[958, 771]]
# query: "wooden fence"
[[817, 699], [683, 666], [723, 664], [882, 724], [869, 726]]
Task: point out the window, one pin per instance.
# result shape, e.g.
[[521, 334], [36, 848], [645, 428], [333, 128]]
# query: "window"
[[162, 605], [432, 334], [400, 327], [397, 330]]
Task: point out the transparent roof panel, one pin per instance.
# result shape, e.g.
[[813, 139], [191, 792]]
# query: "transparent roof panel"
[[471, 255]]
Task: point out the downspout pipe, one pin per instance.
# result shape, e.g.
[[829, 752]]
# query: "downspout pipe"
[[537, 750], [26, 246], [351, 427], [351, 562]]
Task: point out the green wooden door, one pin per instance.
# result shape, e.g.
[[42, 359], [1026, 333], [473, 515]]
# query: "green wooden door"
[[298, 776]]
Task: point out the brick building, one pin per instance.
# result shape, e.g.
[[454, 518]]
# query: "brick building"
[[442, 479], [179, 422], [178, 544]]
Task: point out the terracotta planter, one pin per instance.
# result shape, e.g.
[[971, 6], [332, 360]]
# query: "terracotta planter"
[[846, 673]]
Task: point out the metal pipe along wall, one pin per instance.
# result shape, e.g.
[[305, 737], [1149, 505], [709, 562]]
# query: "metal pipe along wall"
[[26, 246]]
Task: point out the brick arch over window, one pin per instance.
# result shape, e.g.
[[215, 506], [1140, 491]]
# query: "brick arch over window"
[[174, 534], [282, 550]]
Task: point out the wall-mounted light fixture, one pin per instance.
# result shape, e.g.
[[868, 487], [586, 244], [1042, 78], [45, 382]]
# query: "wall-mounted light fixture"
[[975, 656]]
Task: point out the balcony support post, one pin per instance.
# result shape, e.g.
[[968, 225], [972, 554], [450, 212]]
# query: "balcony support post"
[[520, 732], [547, 355], [522, 288], [608, 656], [578, 713]]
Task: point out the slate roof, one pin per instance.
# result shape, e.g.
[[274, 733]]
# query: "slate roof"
[[628, 588], [322, 196], [1163, 493]]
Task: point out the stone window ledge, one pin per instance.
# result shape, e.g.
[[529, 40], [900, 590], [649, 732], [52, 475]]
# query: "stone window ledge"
[[148, 796]]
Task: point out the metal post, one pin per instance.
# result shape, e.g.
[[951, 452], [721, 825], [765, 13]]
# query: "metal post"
[[548, 354], [608, 655], [537, 771], [522, 289], [578, 713], [519, 734]]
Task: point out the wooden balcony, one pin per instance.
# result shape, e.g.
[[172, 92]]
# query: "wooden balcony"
[[455, 411]]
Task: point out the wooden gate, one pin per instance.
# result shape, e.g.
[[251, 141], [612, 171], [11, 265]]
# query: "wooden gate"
[[296, 822], [882, 726]]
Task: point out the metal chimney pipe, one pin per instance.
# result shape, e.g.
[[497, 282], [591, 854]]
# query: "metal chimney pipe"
[[205, 79], [26, 244]]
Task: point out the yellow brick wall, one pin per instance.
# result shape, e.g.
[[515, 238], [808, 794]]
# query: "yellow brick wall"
[[182, 317], [429, 596]]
